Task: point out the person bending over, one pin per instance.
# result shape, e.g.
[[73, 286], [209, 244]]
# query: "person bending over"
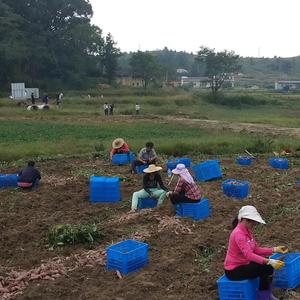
[[119, 147], [186, 190], [29, 177]]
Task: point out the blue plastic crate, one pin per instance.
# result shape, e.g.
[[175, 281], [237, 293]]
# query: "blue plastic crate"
[[244, 160], [141, 168], [235, 188], [147, 203], [131, 156], [8, 180], [104, 189], [287, 277], [120, 159], [237, 290], [127, 256], [207, 170], [171, 164], [196, 211], [279, 163]]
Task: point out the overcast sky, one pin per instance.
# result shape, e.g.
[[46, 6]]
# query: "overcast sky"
[[249, 27]]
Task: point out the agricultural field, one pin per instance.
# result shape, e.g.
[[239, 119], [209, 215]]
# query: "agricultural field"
[[185, 257]]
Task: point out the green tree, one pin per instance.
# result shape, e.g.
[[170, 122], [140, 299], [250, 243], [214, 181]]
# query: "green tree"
[[145, 65], [13, 50], [61, 46], [218, 65], [110, 58]]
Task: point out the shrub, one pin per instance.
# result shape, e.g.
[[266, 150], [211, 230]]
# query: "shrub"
[[155, 102], [185, 102], [261, 145], [127, 112], [237, 101]]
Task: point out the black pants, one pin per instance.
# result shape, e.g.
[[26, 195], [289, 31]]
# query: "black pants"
[[251, 271], [181, 198]]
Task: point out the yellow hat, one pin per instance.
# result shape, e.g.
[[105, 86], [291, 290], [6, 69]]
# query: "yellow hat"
[[118, 143], [152, 169]]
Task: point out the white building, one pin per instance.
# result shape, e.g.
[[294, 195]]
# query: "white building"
[[195, 82], [203, 82], [287, 84]]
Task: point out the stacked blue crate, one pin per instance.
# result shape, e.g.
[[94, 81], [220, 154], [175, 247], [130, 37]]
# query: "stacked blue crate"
[[196, 211], [8, 180], [141, 168], [235, 188], [244, 160], [279, 163], [147, 203], [237, 290], [171, 164], [127, 256], [207, 170], [287, 277], [122, 158], [104, 189]]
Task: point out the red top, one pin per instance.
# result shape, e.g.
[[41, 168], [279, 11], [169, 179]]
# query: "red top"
[[243, 249], [191, 190], [123, 149]]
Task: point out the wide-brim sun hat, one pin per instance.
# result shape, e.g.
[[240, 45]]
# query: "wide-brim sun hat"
[[251, 213], [152, 169], [180, 169], [118, 143]]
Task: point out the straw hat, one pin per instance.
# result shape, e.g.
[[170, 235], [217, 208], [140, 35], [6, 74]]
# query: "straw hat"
[[118, 143], [250, 212], [152, 169]]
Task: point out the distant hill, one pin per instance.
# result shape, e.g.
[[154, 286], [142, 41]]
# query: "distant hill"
[[257, 69]]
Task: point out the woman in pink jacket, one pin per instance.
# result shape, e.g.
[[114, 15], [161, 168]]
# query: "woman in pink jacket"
[[245, 259]]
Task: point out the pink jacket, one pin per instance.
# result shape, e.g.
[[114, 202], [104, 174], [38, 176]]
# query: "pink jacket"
[[243, 249]]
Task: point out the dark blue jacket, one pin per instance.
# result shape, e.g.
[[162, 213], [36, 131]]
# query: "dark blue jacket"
[[29, 174]]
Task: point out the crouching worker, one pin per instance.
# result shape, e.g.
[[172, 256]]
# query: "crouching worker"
[[119, 147], [186, 190], [147, 155], [151, 181], [29, 177], [245, 259]]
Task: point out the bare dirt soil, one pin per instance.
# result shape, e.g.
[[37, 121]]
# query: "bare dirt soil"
[[179, 266]]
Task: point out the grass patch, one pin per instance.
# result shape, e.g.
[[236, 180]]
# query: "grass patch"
[[39, 139]]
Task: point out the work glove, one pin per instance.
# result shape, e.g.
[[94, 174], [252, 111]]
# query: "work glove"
[[275, 263], [281, 249]]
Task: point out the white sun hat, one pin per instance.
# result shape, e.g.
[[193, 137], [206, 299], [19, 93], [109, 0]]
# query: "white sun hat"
[[250, 212]]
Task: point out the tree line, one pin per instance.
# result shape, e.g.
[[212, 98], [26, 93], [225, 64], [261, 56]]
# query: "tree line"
[[53, 44]]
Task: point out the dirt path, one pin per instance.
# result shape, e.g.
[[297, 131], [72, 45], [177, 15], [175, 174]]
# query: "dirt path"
[[237, 127]]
